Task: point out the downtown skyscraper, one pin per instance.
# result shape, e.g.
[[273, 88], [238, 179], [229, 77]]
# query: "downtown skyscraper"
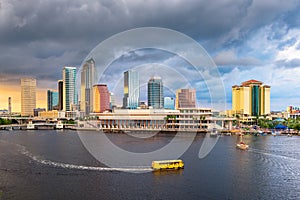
[[60, 86], [155, 93], [69, 91], [28, 96], [52, 100], [131, 89], [88, 79]]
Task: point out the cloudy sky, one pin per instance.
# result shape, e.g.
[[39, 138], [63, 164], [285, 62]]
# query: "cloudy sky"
[[247, 39]]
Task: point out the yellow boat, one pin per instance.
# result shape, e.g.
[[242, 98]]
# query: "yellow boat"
[[167, 164]]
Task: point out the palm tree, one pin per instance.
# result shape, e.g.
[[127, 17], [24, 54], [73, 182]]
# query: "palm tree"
[[202, 118]]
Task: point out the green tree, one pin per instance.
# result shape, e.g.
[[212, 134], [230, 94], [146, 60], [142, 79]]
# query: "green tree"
[[5, 121]]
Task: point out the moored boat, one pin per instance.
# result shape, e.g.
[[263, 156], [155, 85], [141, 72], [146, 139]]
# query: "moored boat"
[[214, 132]]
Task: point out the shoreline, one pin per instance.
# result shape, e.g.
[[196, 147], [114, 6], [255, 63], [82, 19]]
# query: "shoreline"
[[143, 130]]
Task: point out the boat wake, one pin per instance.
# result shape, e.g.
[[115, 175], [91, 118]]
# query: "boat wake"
[[273, 155], [288, 164], [24, 151]]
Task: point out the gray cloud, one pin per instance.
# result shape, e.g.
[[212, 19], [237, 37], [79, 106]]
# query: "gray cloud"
[[229, 58], [66, 20], [289, 63]]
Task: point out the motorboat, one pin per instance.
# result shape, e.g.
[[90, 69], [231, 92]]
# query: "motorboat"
[[214, 132], [242, 146]]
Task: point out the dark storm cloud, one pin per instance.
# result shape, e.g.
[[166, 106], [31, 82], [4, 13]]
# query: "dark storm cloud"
[[73, 20], [38, 38]]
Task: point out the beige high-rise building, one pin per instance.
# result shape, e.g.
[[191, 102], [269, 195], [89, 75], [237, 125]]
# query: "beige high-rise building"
[[185, 98], [28, 96], [88, 79], [265, 107], [251, 98]]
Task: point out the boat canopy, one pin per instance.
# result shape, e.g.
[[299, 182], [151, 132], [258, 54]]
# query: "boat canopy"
[[280, 126]]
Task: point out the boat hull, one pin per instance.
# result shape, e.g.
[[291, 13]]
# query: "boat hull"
[[242, 146]]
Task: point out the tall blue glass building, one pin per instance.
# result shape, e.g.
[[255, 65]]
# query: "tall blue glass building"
[[52, 99], [155, 93], [70, 97]]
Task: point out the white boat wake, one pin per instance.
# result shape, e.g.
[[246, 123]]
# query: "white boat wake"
[[24, 151], [272, 154]]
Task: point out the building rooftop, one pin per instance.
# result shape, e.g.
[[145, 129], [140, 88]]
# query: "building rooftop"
[[252, 81]]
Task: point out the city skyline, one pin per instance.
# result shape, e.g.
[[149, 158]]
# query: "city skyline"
[[247, 40]]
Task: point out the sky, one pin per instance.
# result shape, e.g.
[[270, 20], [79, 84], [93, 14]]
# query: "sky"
[[247, 39]]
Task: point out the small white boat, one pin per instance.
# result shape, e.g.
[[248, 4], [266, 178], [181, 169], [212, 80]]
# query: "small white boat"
[[214, 132], [242, 146], [228, 134], [276, 133]]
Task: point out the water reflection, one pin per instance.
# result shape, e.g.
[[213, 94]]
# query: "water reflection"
[[170, 172]]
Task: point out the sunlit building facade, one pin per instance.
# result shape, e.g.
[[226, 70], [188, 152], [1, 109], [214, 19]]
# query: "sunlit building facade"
[[251, 98], [131, 89], [101, 99], [28, 96]]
